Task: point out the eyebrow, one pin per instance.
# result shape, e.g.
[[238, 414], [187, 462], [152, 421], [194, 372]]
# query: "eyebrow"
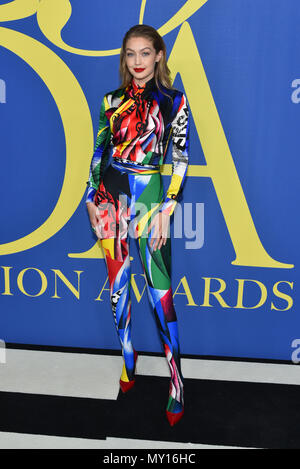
[[128, 48]]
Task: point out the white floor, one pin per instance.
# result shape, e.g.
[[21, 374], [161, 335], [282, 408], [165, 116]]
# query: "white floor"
[[97, 376], [25, 441]]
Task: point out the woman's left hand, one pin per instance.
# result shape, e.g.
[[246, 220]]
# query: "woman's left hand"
[[161, 223]]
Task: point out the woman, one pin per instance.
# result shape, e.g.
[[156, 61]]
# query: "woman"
[[125, 197]]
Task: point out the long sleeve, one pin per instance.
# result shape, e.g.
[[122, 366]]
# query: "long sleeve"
[[180, 148], [100, 151]]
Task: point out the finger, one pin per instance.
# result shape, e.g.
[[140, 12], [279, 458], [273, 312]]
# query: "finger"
[[152, 243], [98, 233], [165, 236], [160, 243], [152, 223], [157, 241], [157, 238], [97, 213], [155, 234]]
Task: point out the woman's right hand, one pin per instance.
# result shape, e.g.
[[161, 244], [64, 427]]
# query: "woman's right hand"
[[93, 215]]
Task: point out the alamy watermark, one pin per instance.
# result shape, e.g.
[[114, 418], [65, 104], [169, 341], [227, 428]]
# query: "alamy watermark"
[[2, 91], [193, 224], [116, 219], [2, 351], [296, 353]]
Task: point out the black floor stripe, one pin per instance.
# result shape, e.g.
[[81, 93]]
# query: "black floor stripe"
[[216, 413], [53, 415]]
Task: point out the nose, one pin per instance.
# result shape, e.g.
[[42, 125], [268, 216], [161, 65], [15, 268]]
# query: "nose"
[[137, 59]]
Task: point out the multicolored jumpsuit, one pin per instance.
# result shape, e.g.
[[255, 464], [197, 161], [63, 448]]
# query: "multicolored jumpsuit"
[[137, 123]]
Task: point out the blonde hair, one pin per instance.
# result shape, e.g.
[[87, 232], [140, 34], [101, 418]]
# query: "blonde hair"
[[162, 71]]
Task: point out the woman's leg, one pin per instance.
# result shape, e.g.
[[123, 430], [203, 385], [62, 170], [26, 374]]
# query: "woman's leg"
[[157, 269], [112, 201], [119, 282], [157, 272]]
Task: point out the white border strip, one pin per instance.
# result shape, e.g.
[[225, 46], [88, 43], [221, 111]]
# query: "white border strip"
[[97, 376]]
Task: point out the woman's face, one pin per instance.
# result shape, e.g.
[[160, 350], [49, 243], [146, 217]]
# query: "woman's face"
[[140, 57]]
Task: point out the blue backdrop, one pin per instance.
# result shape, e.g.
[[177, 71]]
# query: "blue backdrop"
[[238, 63]]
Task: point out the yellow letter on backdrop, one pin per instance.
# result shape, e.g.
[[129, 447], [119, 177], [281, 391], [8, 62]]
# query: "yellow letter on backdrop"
[[78, 129], [220, 166]]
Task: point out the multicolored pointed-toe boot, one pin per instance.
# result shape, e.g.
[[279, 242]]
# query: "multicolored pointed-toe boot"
[[175, 409], [125, 383]]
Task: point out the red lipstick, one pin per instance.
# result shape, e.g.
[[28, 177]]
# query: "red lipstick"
[[138, 70]]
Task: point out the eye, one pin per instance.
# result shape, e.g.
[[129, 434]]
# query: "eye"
[[129, 54], [146, 53]]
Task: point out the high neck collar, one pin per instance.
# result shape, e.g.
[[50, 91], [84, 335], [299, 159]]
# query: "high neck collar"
[[143, 90], [137, 88]]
